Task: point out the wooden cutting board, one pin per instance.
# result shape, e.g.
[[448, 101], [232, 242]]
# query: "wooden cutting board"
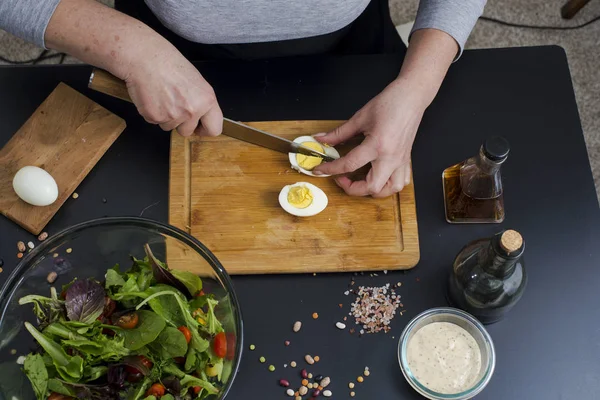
[[66, 136], [225, 193]]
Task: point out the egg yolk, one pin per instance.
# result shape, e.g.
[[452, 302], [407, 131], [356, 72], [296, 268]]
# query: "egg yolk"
[[300, 197], [309, 162]]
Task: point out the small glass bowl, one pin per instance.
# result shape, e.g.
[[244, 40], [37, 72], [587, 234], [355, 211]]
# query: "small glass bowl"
[[87, 250], [465, 321]]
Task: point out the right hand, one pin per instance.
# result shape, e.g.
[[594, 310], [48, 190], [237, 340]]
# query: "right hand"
[[170, 92]]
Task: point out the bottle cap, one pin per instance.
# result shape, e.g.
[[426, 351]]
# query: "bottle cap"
[[511, 241], [496, 148]]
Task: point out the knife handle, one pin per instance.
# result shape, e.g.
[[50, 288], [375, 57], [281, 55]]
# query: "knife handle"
[[109, 84]]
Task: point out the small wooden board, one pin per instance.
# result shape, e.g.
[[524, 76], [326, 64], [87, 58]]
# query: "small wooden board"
[[225, 193], [66, 136]]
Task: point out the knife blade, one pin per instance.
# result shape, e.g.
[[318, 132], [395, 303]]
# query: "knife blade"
[[255, 136]]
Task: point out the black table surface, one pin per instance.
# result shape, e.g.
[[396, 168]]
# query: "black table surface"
[[548, 347]]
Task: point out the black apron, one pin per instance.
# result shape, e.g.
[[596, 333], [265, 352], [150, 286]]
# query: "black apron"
[[373, 32]]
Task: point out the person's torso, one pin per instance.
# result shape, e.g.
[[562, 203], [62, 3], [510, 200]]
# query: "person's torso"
[[251, 21]]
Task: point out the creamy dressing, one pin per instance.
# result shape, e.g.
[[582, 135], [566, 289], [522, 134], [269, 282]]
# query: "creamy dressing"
[[444, 357]]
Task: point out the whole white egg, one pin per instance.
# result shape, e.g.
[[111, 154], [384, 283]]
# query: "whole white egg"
[[35, 186], [315, 198], [330, 151]]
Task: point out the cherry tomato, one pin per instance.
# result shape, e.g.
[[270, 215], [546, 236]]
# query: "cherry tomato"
[[230, 346], [197, 389], [145, 362], [186, 332], [134, 377], [220, 345], [128, 321], [200, 293], [156, 390], [58, 396]]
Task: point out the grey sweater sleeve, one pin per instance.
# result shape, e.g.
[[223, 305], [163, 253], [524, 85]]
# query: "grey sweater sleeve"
[[27, 19], [455, 17]]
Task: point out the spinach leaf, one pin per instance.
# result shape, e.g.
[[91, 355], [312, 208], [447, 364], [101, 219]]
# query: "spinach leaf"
[[169, 344], [113, 278], [189, 381], [56, 385], [93, 373], [69, 368], [167, 306], [36, 371], [162, 274], [192, 282], [85, 301], [150, 325]]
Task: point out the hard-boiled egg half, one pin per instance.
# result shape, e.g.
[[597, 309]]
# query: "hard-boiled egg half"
[[305, 164], [302, 199]]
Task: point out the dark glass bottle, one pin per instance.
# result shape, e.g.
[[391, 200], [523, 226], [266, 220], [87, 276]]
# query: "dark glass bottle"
[[488, 276], [473, 190]]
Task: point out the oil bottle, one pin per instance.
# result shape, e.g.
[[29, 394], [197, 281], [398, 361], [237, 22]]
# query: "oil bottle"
[[488, 276], [473, 190]]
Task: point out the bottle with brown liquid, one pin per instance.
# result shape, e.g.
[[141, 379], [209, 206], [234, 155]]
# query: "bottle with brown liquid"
[[488, 276], [473, 188]]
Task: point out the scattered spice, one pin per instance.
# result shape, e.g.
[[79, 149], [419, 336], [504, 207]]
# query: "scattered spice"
[[252, 347], [21, 246], [43, 236], [374, 308], [69, 250], [297, 326], [341, 305], [75, 195], [21, 360], [315, 315], [104, 200], [51, 278]]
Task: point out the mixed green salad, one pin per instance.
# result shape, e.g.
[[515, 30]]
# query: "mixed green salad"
[[147, 333]]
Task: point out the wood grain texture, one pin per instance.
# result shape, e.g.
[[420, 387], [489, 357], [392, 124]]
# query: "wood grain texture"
[[65, 136], [225, 193]]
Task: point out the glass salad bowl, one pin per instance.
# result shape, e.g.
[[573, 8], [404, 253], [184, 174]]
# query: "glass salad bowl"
[[208, 353]]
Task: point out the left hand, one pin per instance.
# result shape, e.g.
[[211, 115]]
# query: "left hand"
[[389, 123]]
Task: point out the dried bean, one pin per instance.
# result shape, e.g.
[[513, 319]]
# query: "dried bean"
[[325, 381], [284, 383], [304, 374], [21, 246], [43, 236], [290, 392], [51, 278], [340, 325], [319, 378], [303, 390], [297, 326], [316, 393], [309, 359], [327, 393]]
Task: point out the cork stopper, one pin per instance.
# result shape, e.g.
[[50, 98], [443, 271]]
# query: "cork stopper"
[[511, 241]]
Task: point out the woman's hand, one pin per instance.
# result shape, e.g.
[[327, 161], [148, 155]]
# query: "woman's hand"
[[169, 91], [390, 120], [389, 123]]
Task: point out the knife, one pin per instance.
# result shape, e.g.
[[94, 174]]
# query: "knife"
[[106, 83]]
